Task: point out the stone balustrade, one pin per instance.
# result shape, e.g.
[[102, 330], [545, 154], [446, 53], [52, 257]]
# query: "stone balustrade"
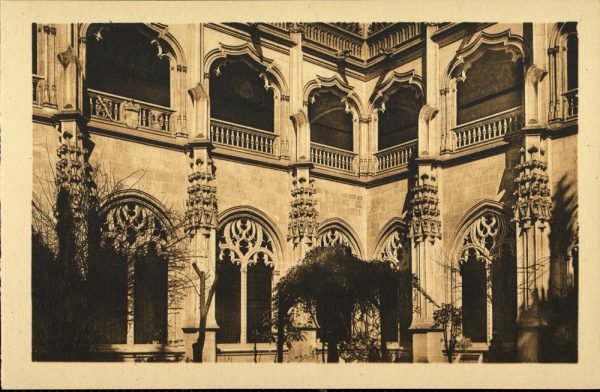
[[487, 128], [396, 156], [126, 111], [392, 36], [243, 137], [332, 157], [334, 38]]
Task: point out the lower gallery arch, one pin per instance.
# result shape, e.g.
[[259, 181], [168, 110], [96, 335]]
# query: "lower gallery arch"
[[247, 254], [484, 279], [334, 232], [394, 246], [128, 274]]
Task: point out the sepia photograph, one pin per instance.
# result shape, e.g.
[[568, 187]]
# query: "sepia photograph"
[[305, 192], [321, 194]]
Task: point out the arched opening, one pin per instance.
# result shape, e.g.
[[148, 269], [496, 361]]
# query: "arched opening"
[[108, 278], [474, 298], [128, 276], [34, 51], [572, 62], [493, 84], [122, 60], [228, 301], [259, 301], [150, 298], [238, 95], [397, 124], [330, 123], [243, 295], [487, 283]]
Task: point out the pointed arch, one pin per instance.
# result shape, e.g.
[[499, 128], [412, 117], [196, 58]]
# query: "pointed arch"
[[392, 243], [464, 57], [337, 86], [391, 84], [483, 273], [256, 215], [335, 231], [269, 71]]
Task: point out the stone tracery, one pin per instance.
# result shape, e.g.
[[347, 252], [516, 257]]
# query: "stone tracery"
[[245, 241]]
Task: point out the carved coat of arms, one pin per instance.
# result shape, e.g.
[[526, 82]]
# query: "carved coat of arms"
[[131, 112]]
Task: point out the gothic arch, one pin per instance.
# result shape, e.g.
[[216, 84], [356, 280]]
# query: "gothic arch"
[[464, 57], [166, 43], [338, 87], [268, 68], [263, 220], [390, 85], [335, 231], [484, 249], [137, 211], [391, 239]]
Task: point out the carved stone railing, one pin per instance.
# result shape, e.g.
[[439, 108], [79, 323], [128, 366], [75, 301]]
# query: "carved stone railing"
[[571, 103], [332, 157], [396, 156], [487, 128], [392, 36], [37, 89], [243, 137], [126, 111], [333, 38]]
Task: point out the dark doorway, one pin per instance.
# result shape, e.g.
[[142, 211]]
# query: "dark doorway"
[[259, 301], [227, 302]]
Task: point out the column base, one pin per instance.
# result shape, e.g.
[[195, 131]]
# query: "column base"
[[428, 345], [209, 351], [305, 350], [530, 340]]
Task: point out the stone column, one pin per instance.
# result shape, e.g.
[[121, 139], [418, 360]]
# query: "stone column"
[[425, 226], [532, 215], [202, 224]]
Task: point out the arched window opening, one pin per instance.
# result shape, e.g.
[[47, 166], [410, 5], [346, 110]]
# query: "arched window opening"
[[128, 276], [474, 297], [228, 301], [494, 83], [108, 280], [330, 122], [150, 298], [572, 62], [238, 95], [122, 60], [487, 283], [398, 122], [34, 48], [397, 305], [259, 301], [243, 295]]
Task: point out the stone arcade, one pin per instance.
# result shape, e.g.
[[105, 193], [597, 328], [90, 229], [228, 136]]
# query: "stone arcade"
[[444, 144]]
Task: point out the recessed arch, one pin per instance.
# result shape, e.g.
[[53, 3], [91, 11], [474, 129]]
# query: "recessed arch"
[[392, 82], [335, 231], [464, 57], [337, 86], [268, 68], [260, 217]]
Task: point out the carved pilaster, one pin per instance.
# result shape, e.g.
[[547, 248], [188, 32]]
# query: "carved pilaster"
[[201, 206], [533, 195], [424, 211], [303, 223]]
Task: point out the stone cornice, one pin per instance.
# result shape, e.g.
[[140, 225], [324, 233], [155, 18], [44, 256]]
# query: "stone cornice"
[[451, 32]]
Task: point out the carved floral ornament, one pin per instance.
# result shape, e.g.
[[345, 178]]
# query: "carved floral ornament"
[[245, 242], [132, 228]]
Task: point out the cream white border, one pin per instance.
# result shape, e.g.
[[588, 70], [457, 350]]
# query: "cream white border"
[[16, 173]]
